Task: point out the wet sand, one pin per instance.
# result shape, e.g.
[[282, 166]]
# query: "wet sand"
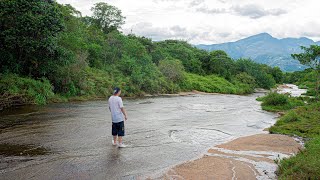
[[251, 157]]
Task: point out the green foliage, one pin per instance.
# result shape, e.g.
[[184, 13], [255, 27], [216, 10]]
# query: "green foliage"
[[291, 116], [245, 78], [28, 36], [311, 58], [184, 52], [172, 69], [275, 99], [303, 121], [211, 84], [305, 165], [106, 17], [220, 63], [262, 77], [84, 57], [279, 102], [26, 90], [277, 75], [304, 79]]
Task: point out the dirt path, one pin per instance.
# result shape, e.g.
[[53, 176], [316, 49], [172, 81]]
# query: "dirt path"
[[251, 157]]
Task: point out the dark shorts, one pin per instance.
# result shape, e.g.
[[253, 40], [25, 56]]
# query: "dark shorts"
[[118, 129]]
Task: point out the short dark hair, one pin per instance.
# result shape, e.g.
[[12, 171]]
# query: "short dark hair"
[[116, 90]]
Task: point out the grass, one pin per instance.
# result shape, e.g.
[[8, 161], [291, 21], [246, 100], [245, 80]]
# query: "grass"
[[302, 120], [212, 84], [27, 90], [275, 102], [305, 165]]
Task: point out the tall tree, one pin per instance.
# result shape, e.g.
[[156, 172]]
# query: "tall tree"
[[220, 63], [311, 58], [28, 36], [107, 17]]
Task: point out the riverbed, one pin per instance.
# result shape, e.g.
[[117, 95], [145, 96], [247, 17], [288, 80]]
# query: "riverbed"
[[73, 140]]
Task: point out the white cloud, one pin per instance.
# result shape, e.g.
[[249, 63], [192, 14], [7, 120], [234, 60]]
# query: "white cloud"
[[256, 11], [214, 21]]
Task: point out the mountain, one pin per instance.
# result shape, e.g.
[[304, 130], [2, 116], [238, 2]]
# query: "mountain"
[[263, 48]]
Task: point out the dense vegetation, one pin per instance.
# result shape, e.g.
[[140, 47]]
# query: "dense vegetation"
[[301, 118], [306, 79], [279, 102], [70, 56], [303, 121]]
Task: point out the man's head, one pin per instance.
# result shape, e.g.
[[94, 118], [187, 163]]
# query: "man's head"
[[116, 91]]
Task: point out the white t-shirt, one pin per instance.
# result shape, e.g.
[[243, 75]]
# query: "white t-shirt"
[[115, 105]]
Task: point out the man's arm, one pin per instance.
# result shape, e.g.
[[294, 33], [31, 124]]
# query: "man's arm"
[[124, 113]]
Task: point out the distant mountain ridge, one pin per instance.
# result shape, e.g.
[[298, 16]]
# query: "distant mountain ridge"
[[263, 48]]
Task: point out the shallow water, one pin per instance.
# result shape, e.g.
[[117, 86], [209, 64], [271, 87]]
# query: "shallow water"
[[291, 89], [160, 133]]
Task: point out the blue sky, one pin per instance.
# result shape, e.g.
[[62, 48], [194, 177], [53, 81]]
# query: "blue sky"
[[214, 21]]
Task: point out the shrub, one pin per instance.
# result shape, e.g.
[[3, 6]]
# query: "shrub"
[[275, 99], [26, 89], [246, 79], [172, 69], [291, 116], [305, 165], [303, 121]]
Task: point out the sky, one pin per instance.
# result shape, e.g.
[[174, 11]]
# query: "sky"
[[213, 21]]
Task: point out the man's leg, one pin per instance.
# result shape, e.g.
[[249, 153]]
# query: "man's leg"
[[114, 133], [121, 134], [114, 139], [120, 139]]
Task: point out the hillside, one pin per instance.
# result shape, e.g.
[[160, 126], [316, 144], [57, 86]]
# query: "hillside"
[[263, 48]]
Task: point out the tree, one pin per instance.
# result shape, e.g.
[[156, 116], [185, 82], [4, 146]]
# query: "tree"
[[107, 17], [220, 63], [172, 69], [311, 58], [262, 77], [277, 74], [184, 52], [28, 36]]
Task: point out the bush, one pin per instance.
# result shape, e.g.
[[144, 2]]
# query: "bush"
[[246, 79], [305, 165], [275, 99], [279, 102], [172, 69], [28, 90], [212, 84], [303, 121], [291, 116]]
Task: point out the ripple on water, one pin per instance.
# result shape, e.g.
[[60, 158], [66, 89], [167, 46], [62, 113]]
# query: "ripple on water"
[[199, 136]]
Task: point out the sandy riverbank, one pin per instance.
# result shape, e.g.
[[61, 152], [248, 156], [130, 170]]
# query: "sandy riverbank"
[[252, 157]]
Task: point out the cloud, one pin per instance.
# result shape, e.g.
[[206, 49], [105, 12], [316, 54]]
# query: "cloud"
[[206, 10], [196, 3], [160, 33], [250, 10], [213, 21], [194, 35], [159, 1], [255, 11]]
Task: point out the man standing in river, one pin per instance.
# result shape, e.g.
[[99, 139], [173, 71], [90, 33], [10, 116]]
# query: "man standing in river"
[[118, 115]]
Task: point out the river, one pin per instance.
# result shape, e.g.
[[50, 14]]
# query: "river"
[[73, 140]]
